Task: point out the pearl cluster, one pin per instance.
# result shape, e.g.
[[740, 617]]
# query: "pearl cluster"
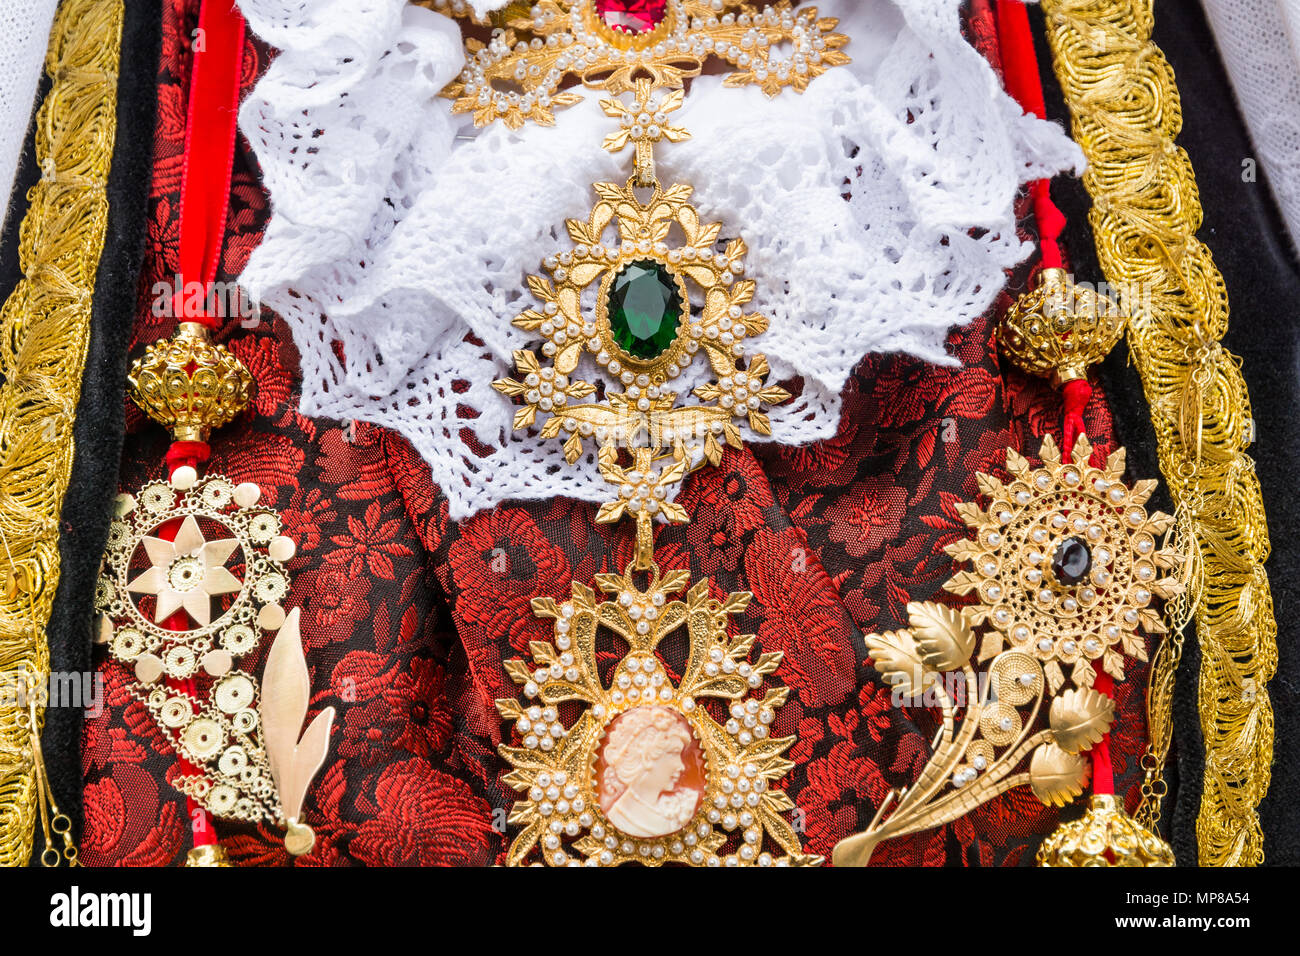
[[642, 609], [641, 680], [977, 757], [642, 493], [749, 720], [687, 847], [563, 668], [547, 390], [751, 51], [740, 393], [540, 727], [742, 789], [556, 796], [644, 126], [722, 662]]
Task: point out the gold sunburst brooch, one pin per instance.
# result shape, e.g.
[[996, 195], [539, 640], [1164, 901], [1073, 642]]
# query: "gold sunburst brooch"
[[1065, 563]]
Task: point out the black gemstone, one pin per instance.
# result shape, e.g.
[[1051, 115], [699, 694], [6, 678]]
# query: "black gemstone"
[[1072, 561]]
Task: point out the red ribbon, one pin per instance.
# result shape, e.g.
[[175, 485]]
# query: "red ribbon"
[[192, 453], [210, 127], [1021, 77], [209, 152], [1077, 394], [1022, 80]]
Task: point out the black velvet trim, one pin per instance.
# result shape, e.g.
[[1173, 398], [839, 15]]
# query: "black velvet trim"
[[99, 427], [1244, 231]]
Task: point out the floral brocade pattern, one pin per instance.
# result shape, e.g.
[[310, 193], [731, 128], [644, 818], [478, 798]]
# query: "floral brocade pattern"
[[407, 617]]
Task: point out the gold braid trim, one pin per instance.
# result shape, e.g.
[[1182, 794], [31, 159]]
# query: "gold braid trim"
[[1146, 210], [44, 335]]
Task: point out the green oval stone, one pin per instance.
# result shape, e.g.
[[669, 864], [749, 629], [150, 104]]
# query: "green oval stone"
[[645, 309]]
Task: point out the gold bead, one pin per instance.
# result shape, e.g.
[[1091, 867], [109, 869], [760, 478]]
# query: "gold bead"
[[299, 838], [1057, 329], [188, 384], [214, 854], [1104, 836]]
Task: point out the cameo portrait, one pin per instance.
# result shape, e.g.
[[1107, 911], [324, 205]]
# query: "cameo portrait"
[[650, 775]]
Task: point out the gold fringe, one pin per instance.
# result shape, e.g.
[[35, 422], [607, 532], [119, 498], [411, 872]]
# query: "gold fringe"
[[1146, 211], [44, 336]]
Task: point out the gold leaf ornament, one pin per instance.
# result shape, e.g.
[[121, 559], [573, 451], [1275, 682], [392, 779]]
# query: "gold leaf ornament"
[[899, 661], [943, 636], [1057, 776], [1080, 718], [294, 760], [1065, 566]]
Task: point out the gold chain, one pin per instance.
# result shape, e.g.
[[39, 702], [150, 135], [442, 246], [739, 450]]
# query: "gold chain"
[[1179, 613], [44, 336], [1146, 211]]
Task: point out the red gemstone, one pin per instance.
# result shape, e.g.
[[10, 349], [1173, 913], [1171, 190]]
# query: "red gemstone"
[[632, 16]]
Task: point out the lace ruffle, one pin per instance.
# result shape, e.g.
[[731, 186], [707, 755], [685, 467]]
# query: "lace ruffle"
[[877, 207]]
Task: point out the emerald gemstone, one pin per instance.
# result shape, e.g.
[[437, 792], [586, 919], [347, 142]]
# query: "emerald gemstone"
[[645, 308]]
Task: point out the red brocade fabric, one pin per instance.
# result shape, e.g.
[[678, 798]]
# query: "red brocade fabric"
[[407, 616]]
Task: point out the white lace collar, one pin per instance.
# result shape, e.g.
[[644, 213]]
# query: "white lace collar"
[[877, 207]]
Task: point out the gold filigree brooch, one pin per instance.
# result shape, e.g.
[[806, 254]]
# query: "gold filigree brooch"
[[607, 44], [1066, 563]]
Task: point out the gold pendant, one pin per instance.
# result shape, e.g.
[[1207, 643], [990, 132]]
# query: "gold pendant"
[[646, 416], [192, 580], [644, 773], [1104, 836], [1058, 330]]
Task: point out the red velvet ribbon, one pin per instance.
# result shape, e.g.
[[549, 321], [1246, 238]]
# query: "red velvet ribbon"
[[210, 127], [1077, 395], [192, 453], [1021, 77], [1023, 81], [209, 152]]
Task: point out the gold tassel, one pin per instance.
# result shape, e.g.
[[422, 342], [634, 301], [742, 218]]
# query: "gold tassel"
[[212, 854], [1104, 836]]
